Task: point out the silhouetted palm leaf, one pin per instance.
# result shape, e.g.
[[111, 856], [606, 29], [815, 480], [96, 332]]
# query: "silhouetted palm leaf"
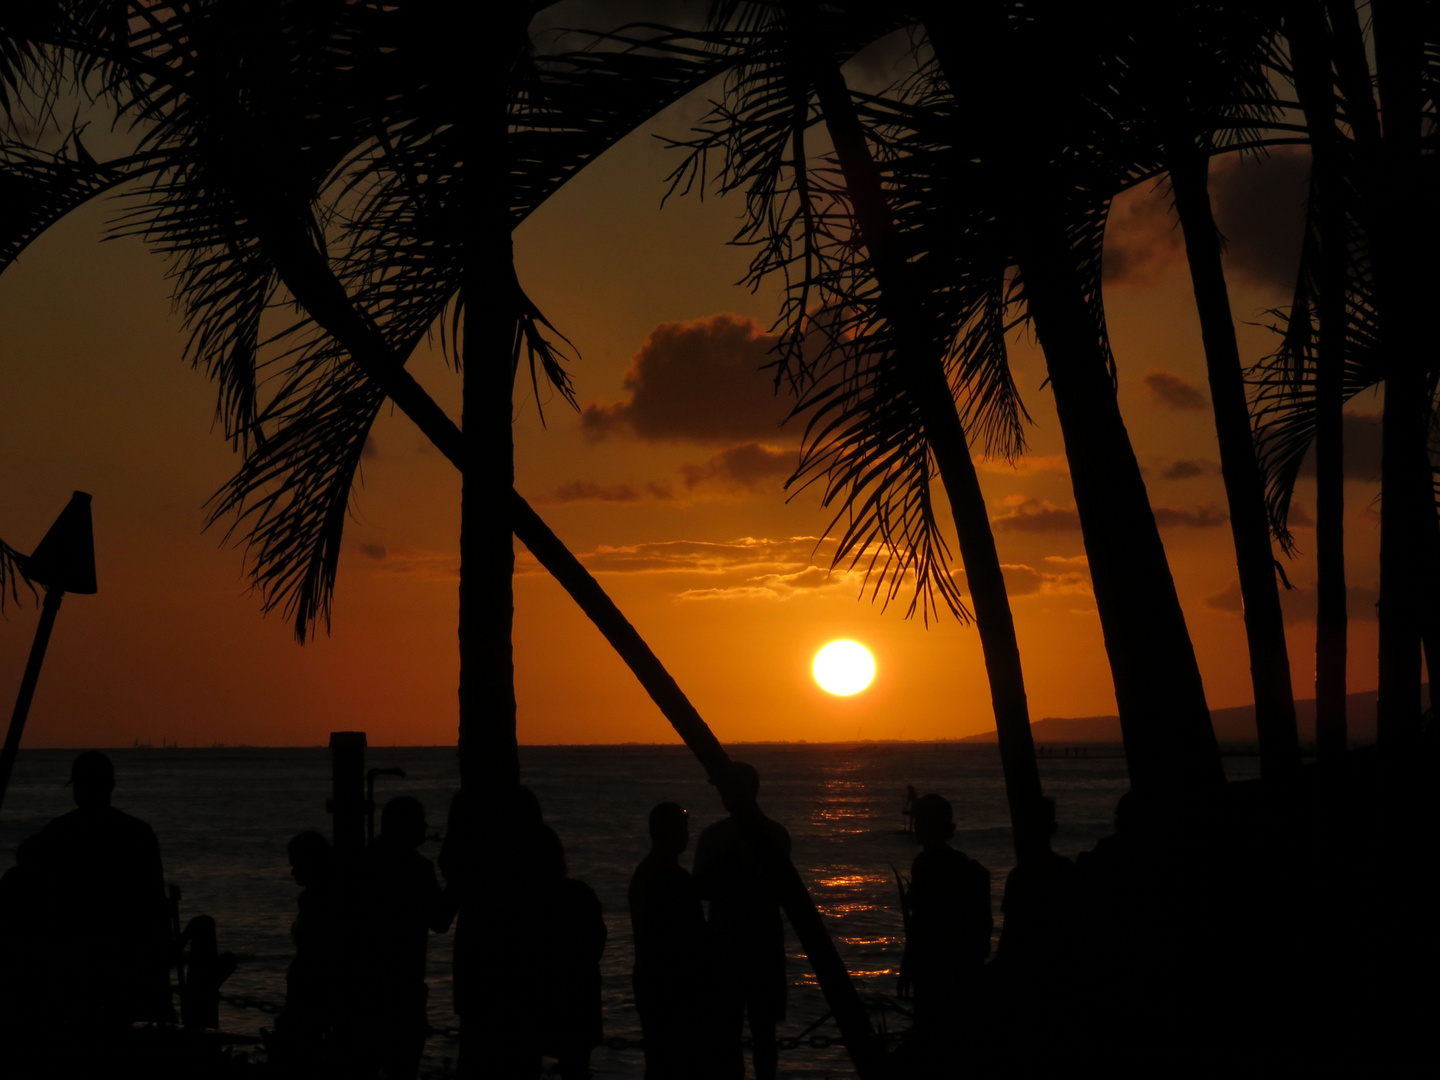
[[343, 120], [12, 573], [1283, 384]]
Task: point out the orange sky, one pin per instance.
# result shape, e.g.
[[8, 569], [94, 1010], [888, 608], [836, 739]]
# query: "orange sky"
[[669, 488]]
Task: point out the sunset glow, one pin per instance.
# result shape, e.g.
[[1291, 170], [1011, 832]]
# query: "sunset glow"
[[843, 668]]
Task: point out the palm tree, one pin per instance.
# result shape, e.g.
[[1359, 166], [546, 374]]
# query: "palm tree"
[[867, 436], [1039, 204], [251, 122], [877, 385], [1198, 75], [1364, 238]]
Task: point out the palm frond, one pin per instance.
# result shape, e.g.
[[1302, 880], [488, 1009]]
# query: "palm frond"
[[12, 574], [37, 189], [1282, 385]]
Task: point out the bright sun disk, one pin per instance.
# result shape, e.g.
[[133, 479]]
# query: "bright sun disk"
[[843, 668]]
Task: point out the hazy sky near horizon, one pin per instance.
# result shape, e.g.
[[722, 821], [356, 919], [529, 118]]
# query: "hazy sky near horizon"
[[667, 483]]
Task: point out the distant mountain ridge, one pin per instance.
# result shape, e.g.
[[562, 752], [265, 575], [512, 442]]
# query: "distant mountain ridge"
[[1233, 725]]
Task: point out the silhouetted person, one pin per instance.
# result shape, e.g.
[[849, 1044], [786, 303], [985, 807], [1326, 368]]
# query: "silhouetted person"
[[109, 919], [404, 903], [948, 933], [1035, 968], [748, 931], [205, 972], [1039, 906], [26, 973], [495, 872], [310, 984], [571, 942], [674, 957]]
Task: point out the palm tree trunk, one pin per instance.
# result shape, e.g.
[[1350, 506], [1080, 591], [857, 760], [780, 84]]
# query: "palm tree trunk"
[[1244, 488], [1169, 742], [1407, 495], [926, 380], [488, 752], [1309, 47]]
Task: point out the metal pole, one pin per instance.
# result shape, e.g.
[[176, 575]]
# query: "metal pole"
[[347, 803], [27, 686]]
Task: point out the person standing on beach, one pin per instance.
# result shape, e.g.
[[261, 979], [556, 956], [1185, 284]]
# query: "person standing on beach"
[[403, 904], [748, 931], [494, 866], [100, 870], [674, 973], [301, 1029], [572, 940], [948, 934]]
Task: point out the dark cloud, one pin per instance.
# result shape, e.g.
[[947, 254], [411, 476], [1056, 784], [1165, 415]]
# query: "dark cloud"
[[371, 450], [1037, 516], [1259, 206], [590, 491], [1174, 392], [1361, 432], [1204, 517], [1188, 470], [697, 382], [1060, 576], [414, 563], [746, 466], [745, 568], [1299, 604], [1299, 517], [1142, 237]]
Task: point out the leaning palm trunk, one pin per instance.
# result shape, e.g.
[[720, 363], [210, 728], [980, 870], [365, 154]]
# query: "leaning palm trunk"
[[924, 378], [1165, 722], [1244, 488], [307, 275]]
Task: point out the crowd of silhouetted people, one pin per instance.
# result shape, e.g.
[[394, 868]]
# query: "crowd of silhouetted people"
[[1145, 942]]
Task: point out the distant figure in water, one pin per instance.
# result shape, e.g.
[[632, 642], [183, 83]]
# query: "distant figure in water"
[[907, 808], [748, 932], [404, 903], [948, 933], [571, 942], [108, 917], [310, 984], [674, 957]]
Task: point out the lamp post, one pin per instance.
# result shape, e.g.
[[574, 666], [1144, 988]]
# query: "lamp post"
[[63, 561]]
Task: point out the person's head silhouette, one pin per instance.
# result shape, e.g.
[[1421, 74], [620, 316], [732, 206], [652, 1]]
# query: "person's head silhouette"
[[742, 788], [92, 777], [403, 821], [934, 820], [669, 829]]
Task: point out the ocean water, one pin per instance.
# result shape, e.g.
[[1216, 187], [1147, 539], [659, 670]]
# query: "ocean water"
[[223, 817]]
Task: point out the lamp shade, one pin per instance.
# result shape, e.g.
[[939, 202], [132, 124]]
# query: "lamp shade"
[[65, 557]]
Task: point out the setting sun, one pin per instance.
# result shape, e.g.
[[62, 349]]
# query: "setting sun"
[[843, 668]]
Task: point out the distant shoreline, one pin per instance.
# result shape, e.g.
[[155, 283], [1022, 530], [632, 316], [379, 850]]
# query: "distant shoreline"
[[1085, 736]]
